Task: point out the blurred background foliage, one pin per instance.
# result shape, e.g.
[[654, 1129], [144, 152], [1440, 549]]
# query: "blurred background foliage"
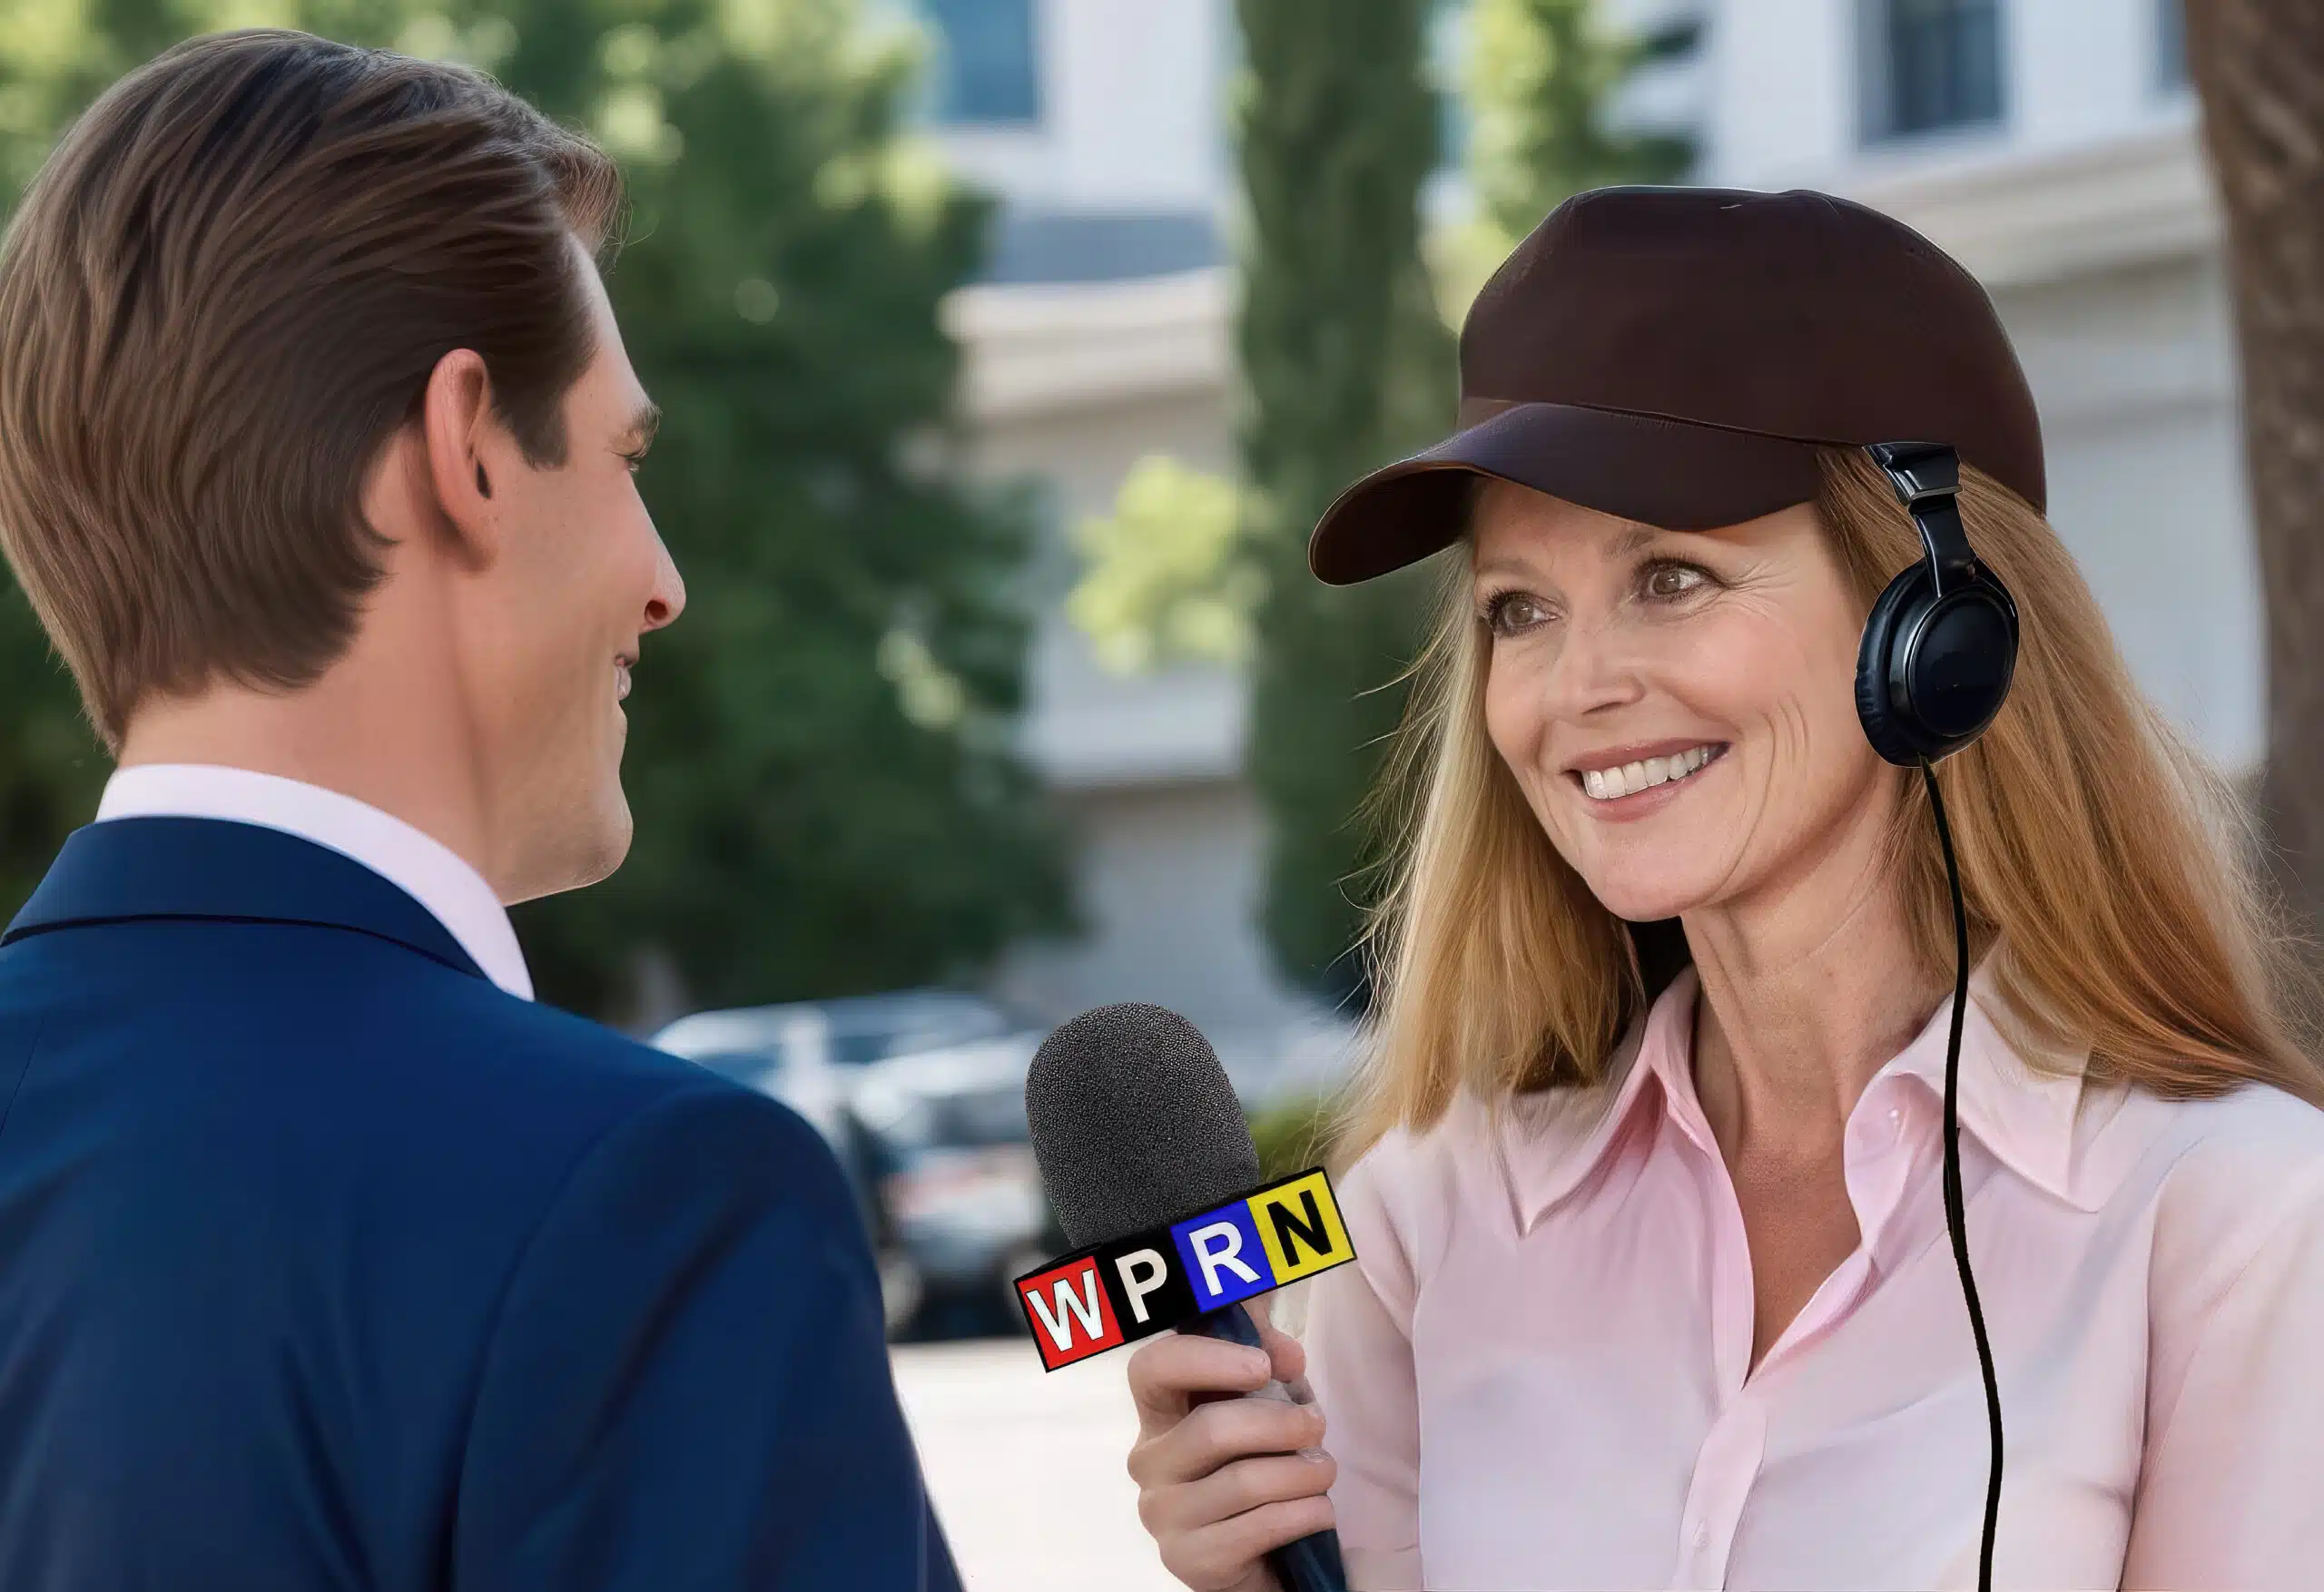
[[1293, 1135], [825, 793], [1536, 76], [1164, 582]]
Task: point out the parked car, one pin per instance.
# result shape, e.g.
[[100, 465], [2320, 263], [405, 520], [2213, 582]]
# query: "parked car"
[[952, 1158], [812, 1055]]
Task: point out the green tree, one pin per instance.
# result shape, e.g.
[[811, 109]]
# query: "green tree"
[[1163, 579], [820, 759], [1347, 364], [1536, 76], [1538, 73]]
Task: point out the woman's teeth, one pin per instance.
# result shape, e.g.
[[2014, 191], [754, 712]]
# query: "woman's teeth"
[[621, 683], [1610, 784]]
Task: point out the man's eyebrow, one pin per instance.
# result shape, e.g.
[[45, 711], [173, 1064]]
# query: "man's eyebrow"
[[643, 425]]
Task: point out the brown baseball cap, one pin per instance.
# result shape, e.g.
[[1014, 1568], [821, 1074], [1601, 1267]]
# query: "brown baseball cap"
[[1673, 355]]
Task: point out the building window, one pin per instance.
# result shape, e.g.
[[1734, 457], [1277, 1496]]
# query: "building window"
[[988, 71], [1444, 49], [2171, 44], [1934, 63]]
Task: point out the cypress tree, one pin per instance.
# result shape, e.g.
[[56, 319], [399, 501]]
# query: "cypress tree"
[[1347, 365]]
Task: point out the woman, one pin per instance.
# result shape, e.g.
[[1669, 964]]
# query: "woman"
[[1653, 1281]]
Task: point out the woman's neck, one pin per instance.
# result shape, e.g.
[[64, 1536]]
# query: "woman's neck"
[[1808, 987]]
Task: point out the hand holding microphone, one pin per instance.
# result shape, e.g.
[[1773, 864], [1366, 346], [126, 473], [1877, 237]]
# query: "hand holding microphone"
[[1136, 1128], [1221, 1478]]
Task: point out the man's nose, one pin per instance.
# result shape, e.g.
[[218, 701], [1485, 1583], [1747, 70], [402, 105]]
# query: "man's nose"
[[668, 599]]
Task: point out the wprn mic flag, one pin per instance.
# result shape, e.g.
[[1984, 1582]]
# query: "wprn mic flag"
[[1117, 1292]]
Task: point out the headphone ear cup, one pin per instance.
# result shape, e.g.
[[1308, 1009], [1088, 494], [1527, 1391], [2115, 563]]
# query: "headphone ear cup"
[[1886, 721]]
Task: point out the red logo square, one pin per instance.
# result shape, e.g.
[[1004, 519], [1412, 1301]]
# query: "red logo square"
[[1068, 1312]]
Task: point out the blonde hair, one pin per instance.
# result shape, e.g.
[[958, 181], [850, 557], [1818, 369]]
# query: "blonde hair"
[[2112, 862]]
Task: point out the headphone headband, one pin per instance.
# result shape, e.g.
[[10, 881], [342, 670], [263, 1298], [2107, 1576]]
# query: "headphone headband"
[[1928, 479]]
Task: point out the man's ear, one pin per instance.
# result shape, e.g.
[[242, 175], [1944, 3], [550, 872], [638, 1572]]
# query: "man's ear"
[[466, 447]]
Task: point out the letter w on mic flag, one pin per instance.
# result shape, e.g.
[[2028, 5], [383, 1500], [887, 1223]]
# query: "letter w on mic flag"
[[1113, 1293]]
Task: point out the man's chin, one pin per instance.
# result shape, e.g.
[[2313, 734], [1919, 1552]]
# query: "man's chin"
[[614, 834], [588, 853]]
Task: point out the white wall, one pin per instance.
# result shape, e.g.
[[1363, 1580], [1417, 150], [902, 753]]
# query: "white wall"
[[1169, 880], [2134, 375], [1131, 118], [1784, 96]]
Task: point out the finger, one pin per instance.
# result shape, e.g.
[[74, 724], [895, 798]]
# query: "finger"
[[1287, 1358], [1234, 1489], [1286, 1355], [1228, 1554], [1164, 1371], [1212, 1435]]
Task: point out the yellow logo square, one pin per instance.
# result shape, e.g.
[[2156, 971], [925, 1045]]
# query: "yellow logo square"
[[1299, 1223]]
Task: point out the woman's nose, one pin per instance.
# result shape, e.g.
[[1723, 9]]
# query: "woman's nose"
[[1596, 668]]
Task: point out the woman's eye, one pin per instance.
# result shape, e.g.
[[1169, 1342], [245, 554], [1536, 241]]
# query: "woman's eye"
[[1672, 580], [1511, 612]]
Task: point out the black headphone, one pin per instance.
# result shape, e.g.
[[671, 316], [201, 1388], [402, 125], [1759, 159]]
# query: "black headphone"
[[1942, 642], [1932, 671]]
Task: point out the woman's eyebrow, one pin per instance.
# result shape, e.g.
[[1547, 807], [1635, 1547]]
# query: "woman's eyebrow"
[[1502, 566]]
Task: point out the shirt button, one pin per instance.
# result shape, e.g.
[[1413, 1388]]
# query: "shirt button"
[[1699, 1535]]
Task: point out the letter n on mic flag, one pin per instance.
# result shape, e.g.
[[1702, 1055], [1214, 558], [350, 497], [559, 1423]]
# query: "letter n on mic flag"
[[1115, 1294]]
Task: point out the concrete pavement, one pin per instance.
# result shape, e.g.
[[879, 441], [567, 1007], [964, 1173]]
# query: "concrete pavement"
[[1027, 1466]]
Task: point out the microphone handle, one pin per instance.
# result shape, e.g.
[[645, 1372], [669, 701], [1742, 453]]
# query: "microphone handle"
[[1311, 1564]]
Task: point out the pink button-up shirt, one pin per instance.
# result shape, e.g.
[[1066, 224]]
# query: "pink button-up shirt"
[[1534, 1375]]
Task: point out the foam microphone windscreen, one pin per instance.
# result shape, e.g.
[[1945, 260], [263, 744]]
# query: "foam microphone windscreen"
[[1133, 1122]]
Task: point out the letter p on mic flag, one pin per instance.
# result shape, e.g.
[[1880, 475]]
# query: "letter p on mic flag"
[[1113, 1293]]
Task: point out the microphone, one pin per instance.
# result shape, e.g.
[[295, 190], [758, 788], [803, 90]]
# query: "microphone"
[[1133, 1123]]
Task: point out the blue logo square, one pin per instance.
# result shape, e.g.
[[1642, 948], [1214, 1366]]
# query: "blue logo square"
[[1223, 1256]]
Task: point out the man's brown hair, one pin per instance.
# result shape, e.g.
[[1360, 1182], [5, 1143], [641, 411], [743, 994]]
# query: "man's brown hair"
[[220, 297]]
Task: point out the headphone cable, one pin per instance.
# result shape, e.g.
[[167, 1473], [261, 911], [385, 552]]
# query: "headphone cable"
[[1956, 1222]]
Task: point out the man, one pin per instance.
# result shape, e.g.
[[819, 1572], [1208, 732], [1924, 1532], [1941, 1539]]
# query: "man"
[[327, 1259]]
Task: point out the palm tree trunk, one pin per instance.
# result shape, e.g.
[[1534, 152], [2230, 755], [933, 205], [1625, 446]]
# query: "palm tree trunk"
[[2259, 67]]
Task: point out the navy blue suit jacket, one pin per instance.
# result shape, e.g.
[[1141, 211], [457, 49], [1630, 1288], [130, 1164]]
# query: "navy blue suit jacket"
[[326, 1265]]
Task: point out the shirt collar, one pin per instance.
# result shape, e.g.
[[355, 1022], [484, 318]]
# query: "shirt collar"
[[454, 893], [1551, 1142]]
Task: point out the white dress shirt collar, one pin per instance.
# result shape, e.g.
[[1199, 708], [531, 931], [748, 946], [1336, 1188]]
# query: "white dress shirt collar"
[[422, 866]]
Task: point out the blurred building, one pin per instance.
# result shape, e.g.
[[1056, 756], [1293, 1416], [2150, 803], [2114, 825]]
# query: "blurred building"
[[1101, 335], [2049, 143]]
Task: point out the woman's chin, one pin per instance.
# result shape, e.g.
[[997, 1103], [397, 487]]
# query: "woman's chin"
[[1641, 902]]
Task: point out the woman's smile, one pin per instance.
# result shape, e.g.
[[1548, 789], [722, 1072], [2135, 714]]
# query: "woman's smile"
[[1625, 783]]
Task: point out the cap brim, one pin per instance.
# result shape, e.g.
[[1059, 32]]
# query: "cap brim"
[[1657, 471]]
